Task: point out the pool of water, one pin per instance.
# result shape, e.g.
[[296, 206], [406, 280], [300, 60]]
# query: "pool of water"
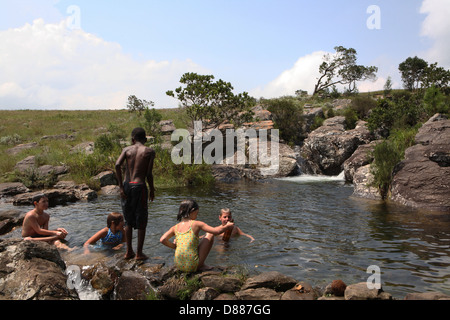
[[307, 227]]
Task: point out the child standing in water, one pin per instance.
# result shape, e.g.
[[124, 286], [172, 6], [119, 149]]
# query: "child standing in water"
[[112, 236], [190, 252]]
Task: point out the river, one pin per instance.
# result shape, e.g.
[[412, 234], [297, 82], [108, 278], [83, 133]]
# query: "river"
[[306, 227]]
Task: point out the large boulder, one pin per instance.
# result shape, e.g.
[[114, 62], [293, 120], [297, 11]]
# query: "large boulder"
[[326, 148], [32, 270], [10, 219], [422, 179]]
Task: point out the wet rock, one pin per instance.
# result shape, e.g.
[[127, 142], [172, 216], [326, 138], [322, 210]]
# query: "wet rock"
[[9, 219], [360, 291], [32, 271], [222, 283], [362, 181], [132, 286], [205, 294], [12, 189], [258, 294], [273, 280], [427, 296], [302, 291]]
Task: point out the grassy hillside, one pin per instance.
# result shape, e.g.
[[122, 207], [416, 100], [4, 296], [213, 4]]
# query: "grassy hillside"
[[112, 126]]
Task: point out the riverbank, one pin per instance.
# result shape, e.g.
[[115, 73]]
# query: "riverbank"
[[36, 271]]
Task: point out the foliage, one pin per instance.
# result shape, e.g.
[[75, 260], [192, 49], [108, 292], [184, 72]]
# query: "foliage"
[[417, 74], [434, 101], [362, 106], [351, 118], [287, 115], [387, 155], [137, 105], [388, 86], [212, 102], [341, 68], [151, 122], [412, 71]]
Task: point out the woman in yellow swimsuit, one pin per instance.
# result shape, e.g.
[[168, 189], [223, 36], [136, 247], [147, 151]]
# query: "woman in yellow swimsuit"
[[190, 252]]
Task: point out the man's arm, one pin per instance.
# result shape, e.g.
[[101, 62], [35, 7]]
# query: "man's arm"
[[150, 175], [119, 176]]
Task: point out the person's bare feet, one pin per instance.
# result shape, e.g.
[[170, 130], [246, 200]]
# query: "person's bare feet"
[[141, 257], [129, 255]]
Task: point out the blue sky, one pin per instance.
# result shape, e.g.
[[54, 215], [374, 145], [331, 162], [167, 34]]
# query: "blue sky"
[[265, 47]]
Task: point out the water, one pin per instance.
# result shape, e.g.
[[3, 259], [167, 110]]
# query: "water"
[[307, 227]]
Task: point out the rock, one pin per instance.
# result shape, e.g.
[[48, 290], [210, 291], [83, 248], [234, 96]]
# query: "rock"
[[361, 157], [360, 291], [205, 294], [85, 147], [226, 173], [64, 192], [258, 294], [338, 288], [12, 189], [26, 164], [110, 190], [326, 148], [222, 283], [309, 116], [167, 127], [32, 271], [132, 286], [21, 147], [171, 288], [102, 282], [9, 219], [106, 178], [362, 181], [427, 296], [48, 170], [82, 191], [226, 297], [273, 280], [422, 179], [302, 291], [55, 197]]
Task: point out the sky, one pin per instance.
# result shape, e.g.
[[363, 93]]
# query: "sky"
[[77, 54]]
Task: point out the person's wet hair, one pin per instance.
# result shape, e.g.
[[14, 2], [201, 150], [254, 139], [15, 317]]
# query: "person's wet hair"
[[186, 208]]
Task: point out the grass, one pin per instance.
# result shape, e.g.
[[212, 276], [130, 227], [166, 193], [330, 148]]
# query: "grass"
[[26, 126]]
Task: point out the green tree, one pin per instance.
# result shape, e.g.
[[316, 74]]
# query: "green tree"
[[151, 122], [341, 68], [434, 101], [212, 102], [137, 105], [435, 76], [287, 115], [412, 71], [388, 86]]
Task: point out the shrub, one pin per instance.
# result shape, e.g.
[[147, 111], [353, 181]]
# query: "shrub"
[[287, 113], [387, 155]]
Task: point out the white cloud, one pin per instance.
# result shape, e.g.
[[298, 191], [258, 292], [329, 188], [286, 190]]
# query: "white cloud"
[[49, 66], [437, 27], [303, 75]]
